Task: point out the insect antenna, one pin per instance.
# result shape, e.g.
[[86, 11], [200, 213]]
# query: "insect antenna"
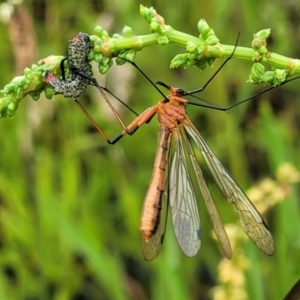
[[145, 75], [215, 74]]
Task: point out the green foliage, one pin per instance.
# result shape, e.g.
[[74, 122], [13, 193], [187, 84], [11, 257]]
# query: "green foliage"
[[70, 204]]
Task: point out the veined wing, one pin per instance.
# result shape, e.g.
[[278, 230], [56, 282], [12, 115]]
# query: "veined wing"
[[185, 216], [155, 209], [210, 205], [152, 247], [250, 219]]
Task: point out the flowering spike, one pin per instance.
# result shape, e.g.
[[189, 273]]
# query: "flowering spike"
[[103, 48]]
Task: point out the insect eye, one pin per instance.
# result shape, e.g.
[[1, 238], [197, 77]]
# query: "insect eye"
[[180, 91]]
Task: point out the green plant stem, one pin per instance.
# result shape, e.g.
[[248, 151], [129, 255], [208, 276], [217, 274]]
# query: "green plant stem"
[[218, 51], [200, 51]]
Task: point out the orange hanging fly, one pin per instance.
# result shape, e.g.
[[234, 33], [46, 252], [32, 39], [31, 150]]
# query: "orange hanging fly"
[[171, 184]]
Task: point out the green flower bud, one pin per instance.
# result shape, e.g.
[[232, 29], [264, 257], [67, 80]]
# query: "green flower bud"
[[203, 27], [26, 85], [9, 88], [256, 42], [274, 78], [105, 64], [210, 61], [212, 40], [264, 34], [98, 31], [117, 36], [128, 55], [29, 76], [194, 51], [105, 60], [189, 63], [259, 42], [91, 56], [178, 61], [147, 13], [39, 74], [154, 25], [25, 81], [34, 95], [11, 109], [34, 67], [257, 73], [94, 40], [191, 46], [16, 80], [281, 76], [120, 61], [27, 71], [3, 105], [97, 47], [98, 57], [20, 93], [256, 57], [48, 92], [201, 64], [127, 31]]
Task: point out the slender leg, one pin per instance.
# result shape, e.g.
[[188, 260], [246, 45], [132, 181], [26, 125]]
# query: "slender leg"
[[94, 81], [214, 75], [143, 118]]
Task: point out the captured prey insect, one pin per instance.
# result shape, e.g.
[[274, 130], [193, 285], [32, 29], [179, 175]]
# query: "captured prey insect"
[[77, 58], [80, 76]]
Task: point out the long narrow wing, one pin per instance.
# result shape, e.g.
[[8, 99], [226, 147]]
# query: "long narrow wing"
[[185, 216], [210, 205], [155, 209], [250, 219], [152, 247]]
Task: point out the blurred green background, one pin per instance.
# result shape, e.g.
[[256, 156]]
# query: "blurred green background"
[[70, 203]]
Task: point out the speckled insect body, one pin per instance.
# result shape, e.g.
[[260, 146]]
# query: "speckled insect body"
[[78, 51], [72, 87], [79, 69]]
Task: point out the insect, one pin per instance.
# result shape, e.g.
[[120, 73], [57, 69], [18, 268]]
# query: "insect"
[[78, 50], [77, 58], [171, 184], [80, 76]]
